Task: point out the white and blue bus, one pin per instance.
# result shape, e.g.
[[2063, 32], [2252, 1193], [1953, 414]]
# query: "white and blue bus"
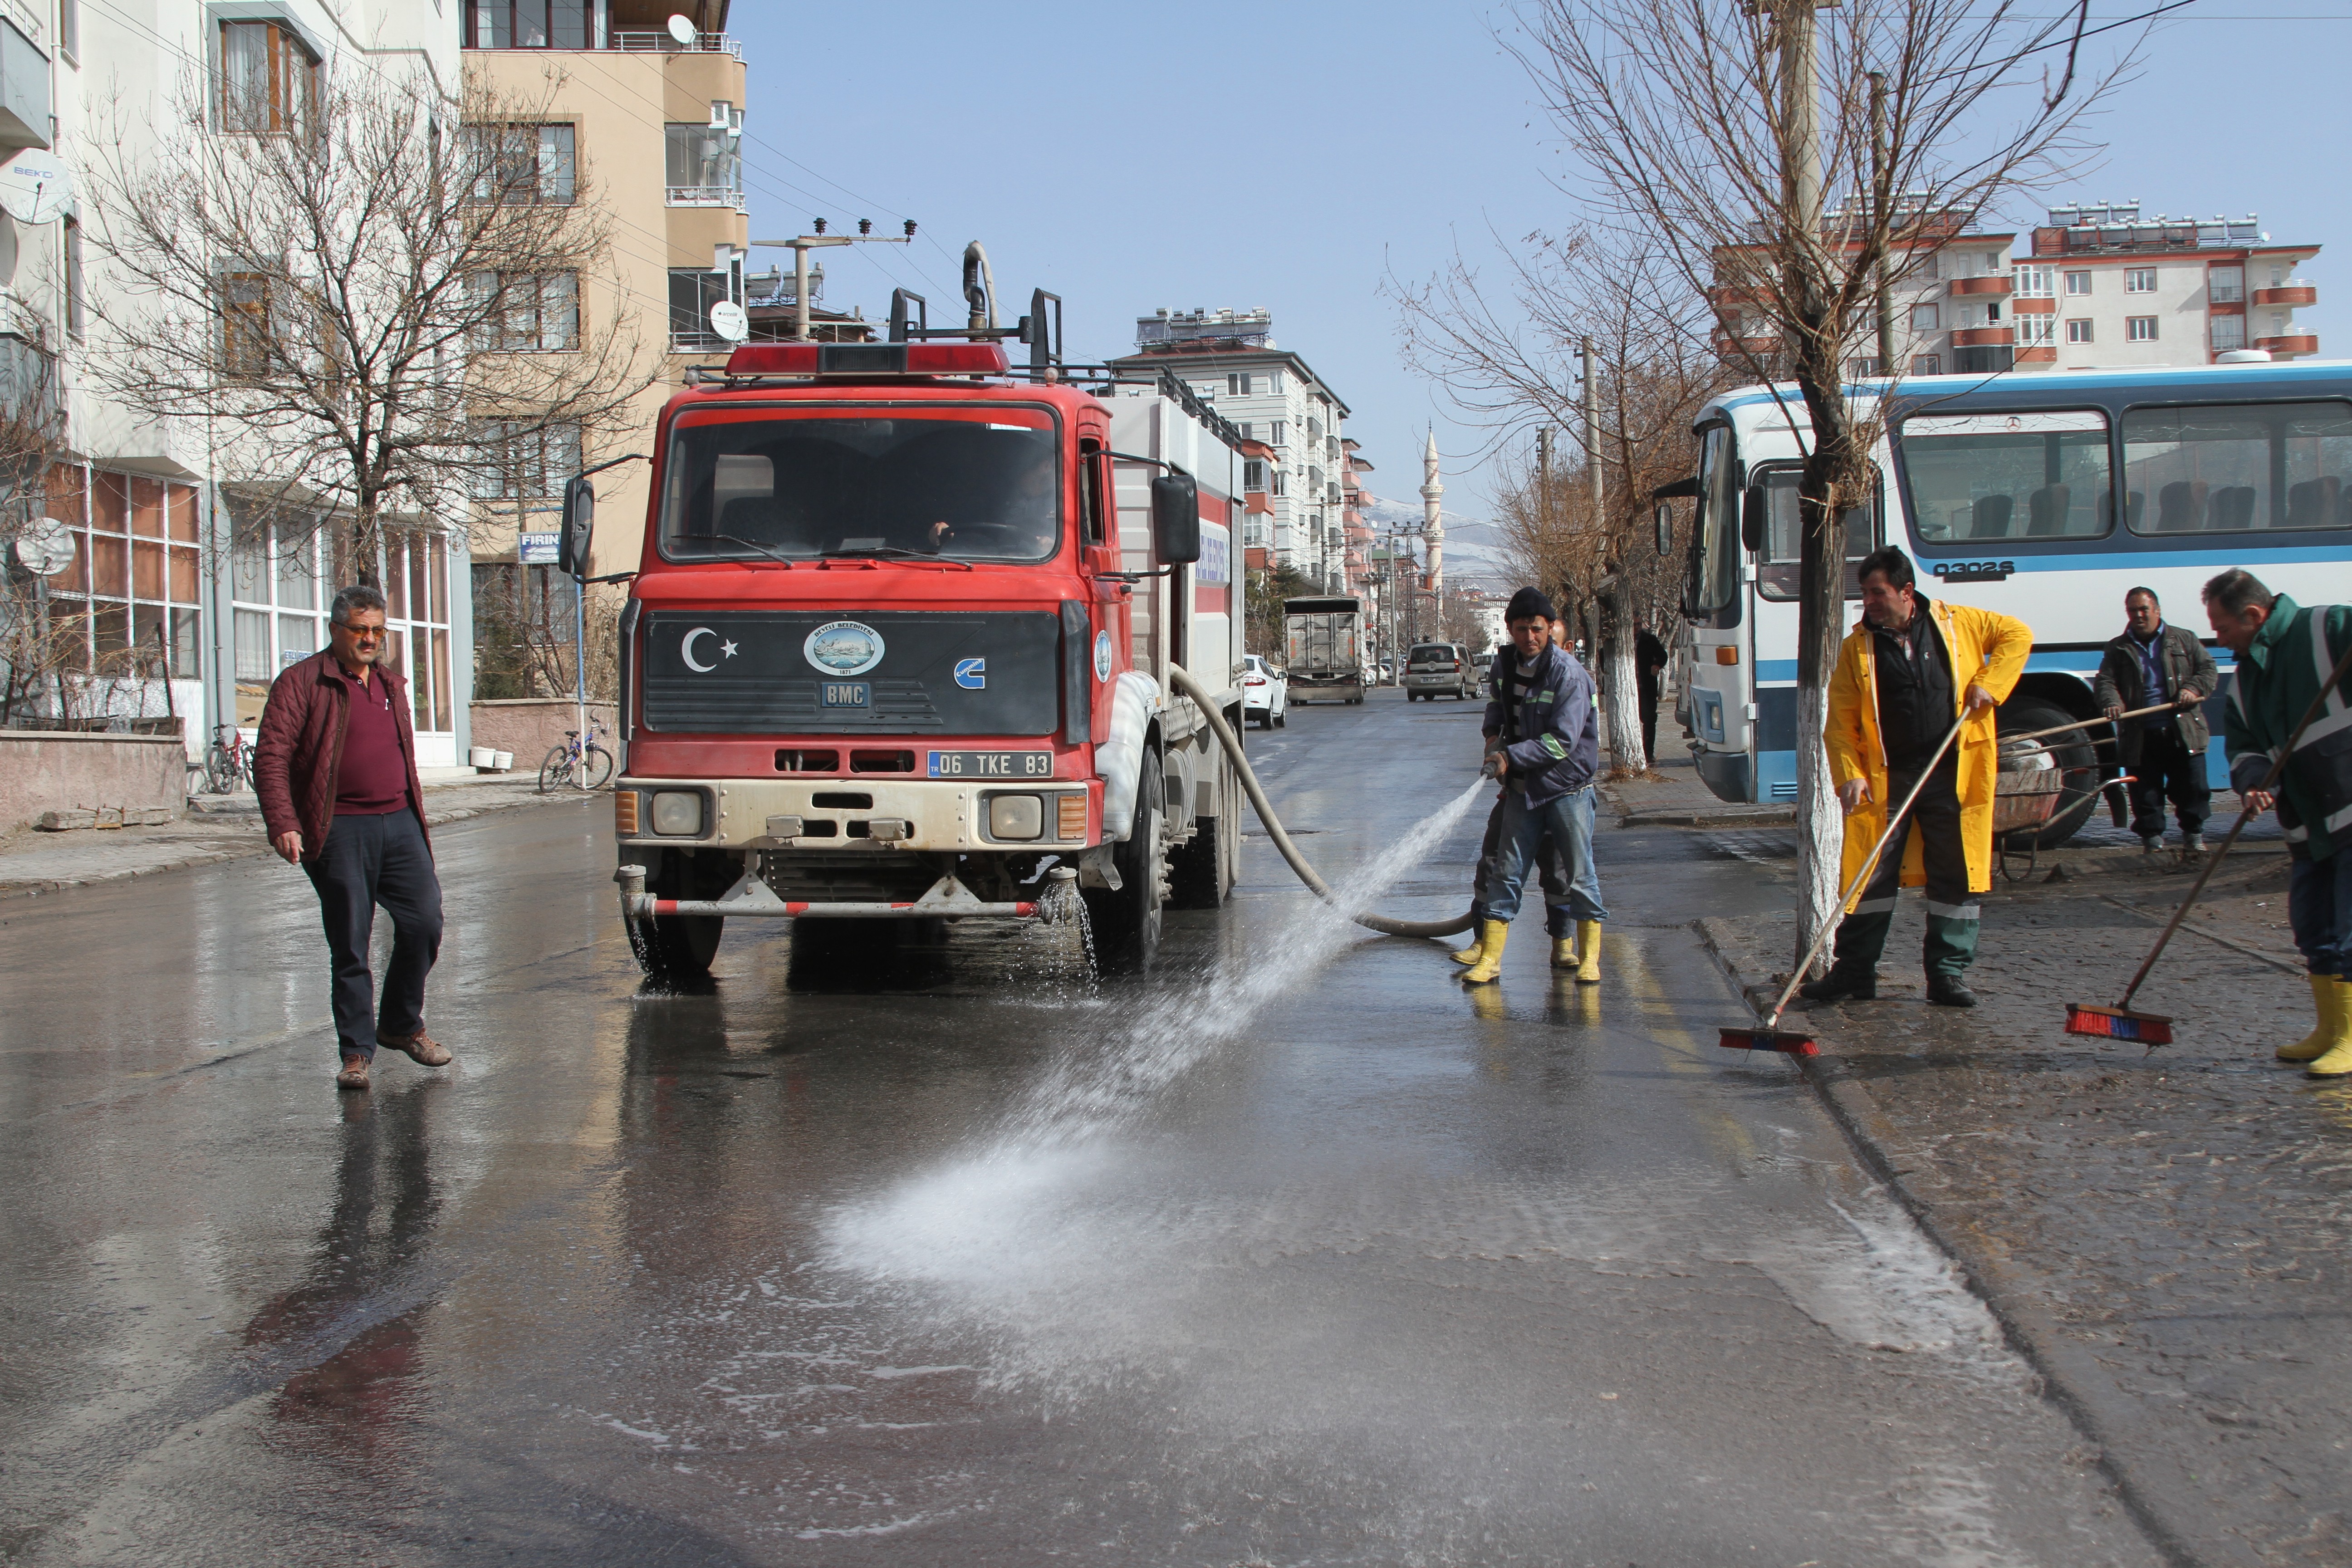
[[2045, 496]]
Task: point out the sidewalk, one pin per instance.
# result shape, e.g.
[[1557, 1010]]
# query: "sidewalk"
[[2160, 1231], [225, 827]]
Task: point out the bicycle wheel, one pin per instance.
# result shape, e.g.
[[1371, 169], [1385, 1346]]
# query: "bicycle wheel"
[[556, 771], [220, 769], [596, 771]]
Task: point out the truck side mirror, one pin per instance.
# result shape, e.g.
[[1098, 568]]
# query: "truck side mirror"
[[579, 523], [1665, 519], [1176, 520], [1752, 517]]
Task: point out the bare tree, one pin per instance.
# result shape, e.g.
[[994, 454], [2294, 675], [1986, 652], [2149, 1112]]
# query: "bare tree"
[[1711, 131], [1511, 356], [371, 291], [38, 652]]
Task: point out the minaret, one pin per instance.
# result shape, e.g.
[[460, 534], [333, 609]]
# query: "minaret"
[[1432, 521]]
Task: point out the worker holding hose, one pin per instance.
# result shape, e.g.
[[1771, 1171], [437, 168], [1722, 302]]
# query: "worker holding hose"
[[1911, 672], [1547, 751], [1551, 865]]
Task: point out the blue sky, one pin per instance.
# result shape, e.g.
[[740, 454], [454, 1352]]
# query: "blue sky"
[[1295, 156]]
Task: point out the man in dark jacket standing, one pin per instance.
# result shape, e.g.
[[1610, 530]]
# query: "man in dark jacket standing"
[[335, 767], [1547, 751], [2155, 661]]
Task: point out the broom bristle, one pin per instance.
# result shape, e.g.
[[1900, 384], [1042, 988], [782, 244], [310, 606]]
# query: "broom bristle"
[[1789, 1041], [2116, 1024]]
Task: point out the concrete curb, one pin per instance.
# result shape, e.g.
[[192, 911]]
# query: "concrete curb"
[[242, 849], [2011, 1291]]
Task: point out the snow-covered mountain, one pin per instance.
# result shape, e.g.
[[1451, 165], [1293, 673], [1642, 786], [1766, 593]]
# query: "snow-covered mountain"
[[1475, 556]]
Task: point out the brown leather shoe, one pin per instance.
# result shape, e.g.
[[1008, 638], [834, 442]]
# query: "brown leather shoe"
[[419, 1048], [355, 1074]]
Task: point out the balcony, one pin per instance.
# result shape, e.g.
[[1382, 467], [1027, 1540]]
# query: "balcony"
[[2293, 294], [661, 42], [1983, 337], [24, 89], [1999, 285], [2290, 344], [705, 196]]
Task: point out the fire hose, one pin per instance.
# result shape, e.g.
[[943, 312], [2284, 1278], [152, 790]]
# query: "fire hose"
[[1183, 683]]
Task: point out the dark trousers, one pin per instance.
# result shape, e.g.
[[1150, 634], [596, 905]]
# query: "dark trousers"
[[1551, 868], [1952, 910], [1650, 721], [2319, 908], [2167, 770], [372, 861]]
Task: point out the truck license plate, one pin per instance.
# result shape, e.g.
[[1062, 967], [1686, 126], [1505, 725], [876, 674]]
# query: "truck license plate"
[[992, 764], [848, 693]]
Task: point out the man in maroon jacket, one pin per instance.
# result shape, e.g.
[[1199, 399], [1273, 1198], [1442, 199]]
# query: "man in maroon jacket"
[[335, 765]]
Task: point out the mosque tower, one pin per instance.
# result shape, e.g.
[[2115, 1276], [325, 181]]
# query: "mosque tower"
[[1432, 521]]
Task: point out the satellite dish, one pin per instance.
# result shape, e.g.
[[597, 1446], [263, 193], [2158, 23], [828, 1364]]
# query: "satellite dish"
[[681, 29], [36, 187], [47, 548], [728, 319]]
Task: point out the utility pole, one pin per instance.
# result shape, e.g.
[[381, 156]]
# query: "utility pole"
[[801, 245], [1881, 198]]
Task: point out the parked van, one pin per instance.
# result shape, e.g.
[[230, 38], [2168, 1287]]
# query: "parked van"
[[1434, 670]]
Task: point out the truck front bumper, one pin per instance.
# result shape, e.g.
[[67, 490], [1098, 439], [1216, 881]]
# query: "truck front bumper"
[[880, 813], [751, 898]]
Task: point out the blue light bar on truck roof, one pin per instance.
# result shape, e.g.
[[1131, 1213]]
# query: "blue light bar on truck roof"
[[853, 360]]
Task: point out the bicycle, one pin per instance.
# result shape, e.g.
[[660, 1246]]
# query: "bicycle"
[[227, 762], [586, 763]]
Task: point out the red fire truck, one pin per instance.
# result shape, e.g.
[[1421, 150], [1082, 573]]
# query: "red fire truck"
[[897, 649]]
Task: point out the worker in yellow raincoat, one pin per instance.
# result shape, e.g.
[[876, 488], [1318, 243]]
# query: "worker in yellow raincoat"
[[1911, 669]]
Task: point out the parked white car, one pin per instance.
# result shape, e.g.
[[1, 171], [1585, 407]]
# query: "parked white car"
[[1265, 693]]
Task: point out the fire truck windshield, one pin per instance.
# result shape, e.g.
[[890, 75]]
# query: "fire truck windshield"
[[815, 486]]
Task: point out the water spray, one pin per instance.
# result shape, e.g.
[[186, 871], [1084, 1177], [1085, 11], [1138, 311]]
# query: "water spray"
[[1182, 680]]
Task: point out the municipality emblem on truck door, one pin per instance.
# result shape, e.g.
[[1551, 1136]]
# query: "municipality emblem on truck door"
[[843, 648]]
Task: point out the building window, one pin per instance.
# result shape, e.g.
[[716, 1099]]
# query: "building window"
[[1279, 437], [1273, 384], [1924, 317], [525, 313], [1253, 474], [1278, 488], [2078, 283], [1926, 364], [269, 82], [1862, 366], [2035, 282], [72, 236], [693, 290], [1237, 384], [528, 23], [2226, 285], [70, 28], [2036, 331], [518, 459], [524, 165], [244, 323], [705, 162], [2229, 332], [130, 605], [2078, 330], [2139, 280], [2139, 329]]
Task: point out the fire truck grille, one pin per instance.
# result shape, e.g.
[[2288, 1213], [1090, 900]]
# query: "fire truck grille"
[[897, 707], [854, 878]]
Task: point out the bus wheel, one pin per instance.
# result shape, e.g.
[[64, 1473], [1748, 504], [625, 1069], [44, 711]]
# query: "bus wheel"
[[2078, 762]]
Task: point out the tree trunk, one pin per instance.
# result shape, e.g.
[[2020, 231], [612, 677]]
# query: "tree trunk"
[[1821, 596], [1622, 711]]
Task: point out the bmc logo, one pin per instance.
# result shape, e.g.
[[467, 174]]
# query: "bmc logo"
[[1975, 571]]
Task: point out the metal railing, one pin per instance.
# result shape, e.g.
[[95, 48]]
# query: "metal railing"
[[703, 197], [662, 44]]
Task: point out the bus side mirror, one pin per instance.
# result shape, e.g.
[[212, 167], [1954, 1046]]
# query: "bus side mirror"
[[1176, 520], [579, 523], [1752, 517], [1663, 518]]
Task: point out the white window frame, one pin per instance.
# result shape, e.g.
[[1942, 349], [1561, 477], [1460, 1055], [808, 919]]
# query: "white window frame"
[[2078, 330], [2139, 330], [2139, 279], [2078, 284]]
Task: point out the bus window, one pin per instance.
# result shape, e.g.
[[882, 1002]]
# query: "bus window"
[[2214, 470], [2007, 476], [1719, 527], [1776, 578]]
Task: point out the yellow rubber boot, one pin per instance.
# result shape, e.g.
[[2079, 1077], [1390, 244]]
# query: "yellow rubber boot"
[[1563, 952], [1474, 952], [1491, 934], [2325, 992], [2337, 1060], [1588, 946]]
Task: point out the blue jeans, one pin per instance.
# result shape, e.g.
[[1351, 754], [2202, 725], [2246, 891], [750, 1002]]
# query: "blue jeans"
[[1569, 819], [2319, 906]]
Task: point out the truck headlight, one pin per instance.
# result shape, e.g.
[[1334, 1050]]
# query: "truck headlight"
[[1020, 816], [677, 814]]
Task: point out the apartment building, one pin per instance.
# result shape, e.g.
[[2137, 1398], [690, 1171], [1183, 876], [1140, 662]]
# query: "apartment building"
[[2104, 286], [1295, 506], [652, 115]]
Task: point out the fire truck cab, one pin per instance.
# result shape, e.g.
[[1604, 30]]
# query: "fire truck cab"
[[897, 649]]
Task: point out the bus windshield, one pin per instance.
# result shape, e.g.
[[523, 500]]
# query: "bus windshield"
[[2008, 476], [803, 487], [1718, 521]]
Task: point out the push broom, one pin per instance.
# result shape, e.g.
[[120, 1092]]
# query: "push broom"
[[2119, 1022], [1796, 1043]]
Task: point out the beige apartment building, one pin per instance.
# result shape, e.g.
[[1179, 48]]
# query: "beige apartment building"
[[651, 115]]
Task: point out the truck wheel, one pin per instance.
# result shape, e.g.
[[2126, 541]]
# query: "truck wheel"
[[1125, 919], [1198, 871], [678, 950]]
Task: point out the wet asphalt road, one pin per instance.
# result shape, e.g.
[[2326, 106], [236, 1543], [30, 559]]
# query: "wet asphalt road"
[[1296, 1253]]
